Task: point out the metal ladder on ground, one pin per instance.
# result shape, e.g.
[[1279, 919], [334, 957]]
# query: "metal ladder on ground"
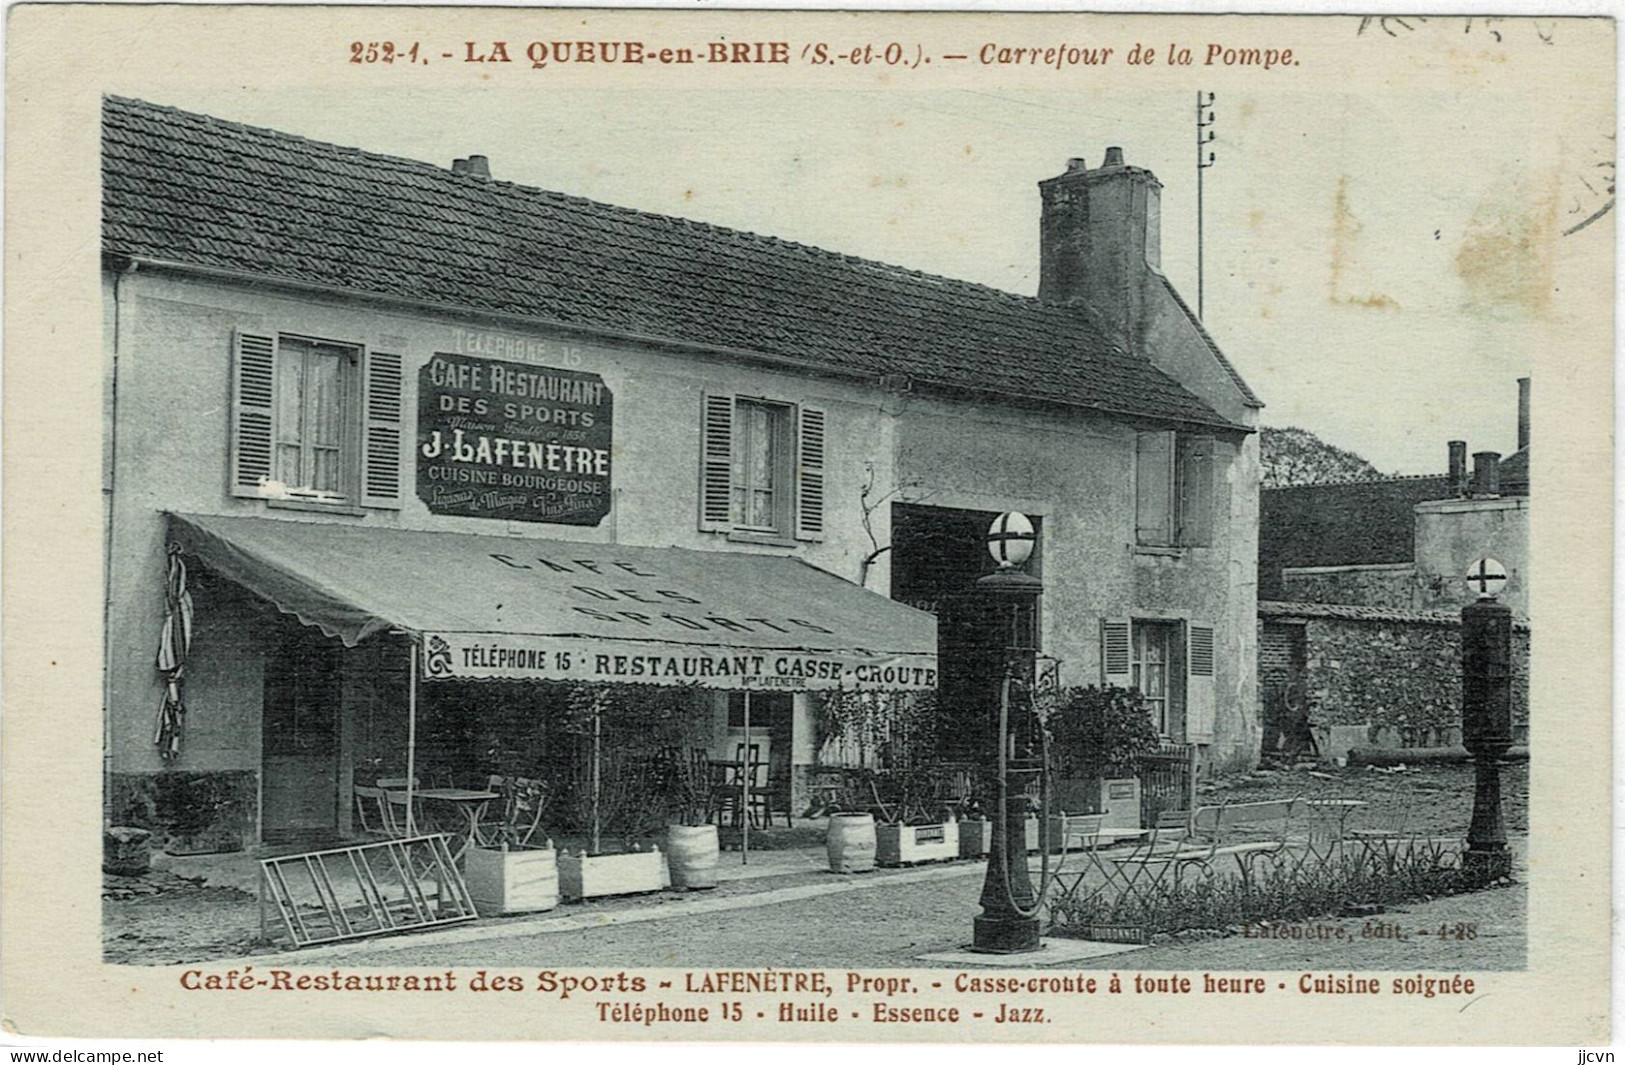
[[370, 889]]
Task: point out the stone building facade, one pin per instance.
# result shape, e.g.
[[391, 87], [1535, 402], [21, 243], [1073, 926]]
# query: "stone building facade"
[[269, 360]]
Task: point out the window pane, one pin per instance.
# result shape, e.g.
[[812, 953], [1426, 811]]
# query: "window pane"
[[325, 398], [761, 509], [325, 474], [287, 464], [742, 464], [755, 465], [290, 395]]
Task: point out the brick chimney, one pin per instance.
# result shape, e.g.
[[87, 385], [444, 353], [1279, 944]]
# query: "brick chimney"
[[1458, 467], [1523, 413], [1486, 474], [475, 166], [1100, 239]]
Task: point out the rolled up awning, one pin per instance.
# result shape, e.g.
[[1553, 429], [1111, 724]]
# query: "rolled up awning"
[[505, 608]]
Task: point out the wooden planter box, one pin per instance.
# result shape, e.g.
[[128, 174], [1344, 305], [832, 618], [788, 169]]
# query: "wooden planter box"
[[512, 880], [1120, 802], [911, 844], [584, 876], [975, 838]]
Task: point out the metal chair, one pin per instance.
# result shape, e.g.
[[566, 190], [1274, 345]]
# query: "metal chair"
[[394, 789], [373, 814], [774, 796], [527, 800]]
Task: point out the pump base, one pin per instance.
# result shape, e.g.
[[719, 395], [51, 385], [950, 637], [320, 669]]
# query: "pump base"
[[1486, 863], [1005, 935]]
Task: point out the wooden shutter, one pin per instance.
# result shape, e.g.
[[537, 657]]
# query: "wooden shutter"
[[716, 462], [381, 434], [1199, 684], [810, 474], [253, 411], [1115, 652], [1153, 488], [1196, 491]]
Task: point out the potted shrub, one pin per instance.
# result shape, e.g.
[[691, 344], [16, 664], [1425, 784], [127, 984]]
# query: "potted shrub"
[[633, 811], [1098, 735]]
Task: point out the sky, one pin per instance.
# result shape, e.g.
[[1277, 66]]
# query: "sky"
[[1346, 235]]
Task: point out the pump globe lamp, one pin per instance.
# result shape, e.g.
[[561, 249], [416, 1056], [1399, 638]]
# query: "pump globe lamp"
[[1010, 539]]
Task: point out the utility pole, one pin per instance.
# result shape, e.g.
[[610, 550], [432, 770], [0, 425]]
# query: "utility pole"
[[1204, 159]]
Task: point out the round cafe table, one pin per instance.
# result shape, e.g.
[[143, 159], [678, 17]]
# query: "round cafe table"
[[463, 808]]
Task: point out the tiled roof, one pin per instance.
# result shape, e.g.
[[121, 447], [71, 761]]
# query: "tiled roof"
[[191, 189], [1273, 609], [1351, 523], [1514, 473]]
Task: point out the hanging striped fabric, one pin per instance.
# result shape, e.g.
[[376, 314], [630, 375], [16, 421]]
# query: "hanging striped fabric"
[[174, 645]]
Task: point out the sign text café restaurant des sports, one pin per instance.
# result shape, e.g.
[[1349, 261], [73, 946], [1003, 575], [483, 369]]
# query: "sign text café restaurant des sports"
[[432, 498]]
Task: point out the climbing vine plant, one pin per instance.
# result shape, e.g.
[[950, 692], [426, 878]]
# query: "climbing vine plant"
[[876, 729]]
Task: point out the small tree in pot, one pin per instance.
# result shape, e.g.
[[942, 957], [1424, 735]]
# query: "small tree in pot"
[[1097, 737]]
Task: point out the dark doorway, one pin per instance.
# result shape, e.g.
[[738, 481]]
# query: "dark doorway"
[[938, 553], [1281, 662], [300, 736]]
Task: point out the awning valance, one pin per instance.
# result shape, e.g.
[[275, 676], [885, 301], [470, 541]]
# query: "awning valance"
[[491, 607]]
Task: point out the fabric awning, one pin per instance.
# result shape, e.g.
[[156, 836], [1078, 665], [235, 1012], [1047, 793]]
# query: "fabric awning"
[[491, 607]]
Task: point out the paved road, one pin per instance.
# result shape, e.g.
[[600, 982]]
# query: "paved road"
[[891, 925]]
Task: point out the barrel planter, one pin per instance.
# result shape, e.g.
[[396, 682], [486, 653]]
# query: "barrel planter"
[[692, 854], [512, 880], [126, 851], [975, 838], [851, 843]]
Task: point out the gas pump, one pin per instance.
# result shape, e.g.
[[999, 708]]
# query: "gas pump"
[[1008, 607]]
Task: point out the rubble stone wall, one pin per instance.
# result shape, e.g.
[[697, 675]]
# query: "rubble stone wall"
[[1401, 680]]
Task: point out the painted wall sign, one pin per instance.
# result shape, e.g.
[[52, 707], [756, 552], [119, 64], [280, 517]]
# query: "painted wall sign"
[[513, 441]]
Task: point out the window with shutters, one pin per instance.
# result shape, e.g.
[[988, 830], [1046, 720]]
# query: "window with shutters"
[[1154, 670], [1171, 664], [313, 386], [762, 469], [1173, 490], [315, 423]]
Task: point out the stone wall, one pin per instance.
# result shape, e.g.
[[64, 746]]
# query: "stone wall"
[[1393, 679]]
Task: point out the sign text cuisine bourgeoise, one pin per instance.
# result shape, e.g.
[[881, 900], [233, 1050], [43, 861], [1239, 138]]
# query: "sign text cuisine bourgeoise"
[[513, 441]]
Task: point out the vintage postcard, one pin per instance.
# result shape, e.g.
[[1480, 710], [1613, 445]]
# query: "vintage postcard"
[[807, 526]]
